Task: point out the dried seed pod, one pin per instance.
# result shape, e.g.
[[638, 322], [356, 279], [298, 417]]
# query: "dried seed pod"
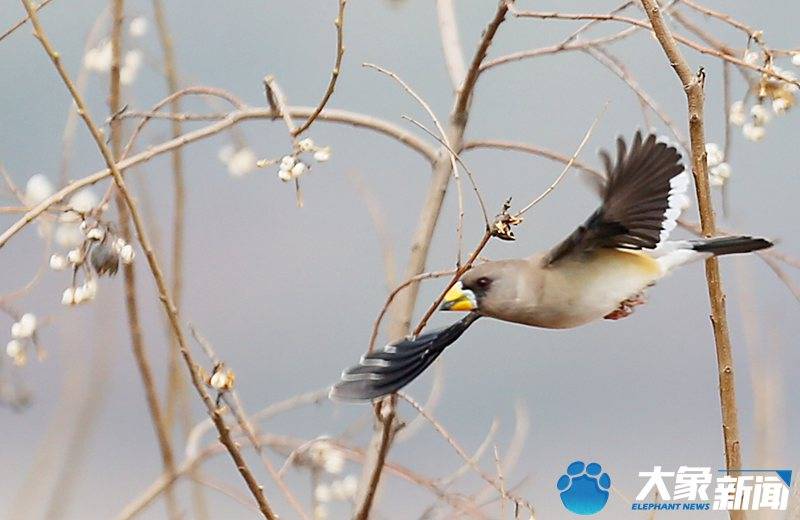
[[105, 259]]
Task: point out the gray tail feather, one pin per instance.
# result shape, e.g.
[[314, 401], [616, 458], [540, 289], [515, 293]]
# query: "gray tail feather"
[[388, 370], [730, 245]]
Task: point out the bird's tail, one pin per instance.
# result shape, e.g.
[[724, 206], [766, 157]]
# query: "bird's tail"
[[673, 254], [730, 245], [394, 366]]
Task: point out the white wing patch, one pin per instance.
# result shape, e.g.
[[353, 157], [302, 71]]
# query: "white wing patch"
[[676, 201]]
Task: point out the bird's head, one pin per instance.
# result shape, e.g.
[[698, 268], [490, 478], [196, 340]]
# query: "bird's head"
[[483, 287]]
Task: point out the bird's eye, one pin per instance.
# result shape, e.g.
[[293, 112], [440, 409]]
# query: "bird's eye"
[[483, 282]]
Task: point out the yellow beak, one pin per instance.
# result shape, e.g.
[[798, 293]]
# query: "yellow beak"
[[459, 299]]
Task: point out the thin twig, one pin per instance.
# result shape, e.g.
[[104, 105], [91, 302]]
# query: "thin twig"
[[567, 166], [463, 454], [618, 67], [471, 177], [459, 272], [451, 153], [231, 398], [533, 150], [339, 24], [389, 299], [22, 21], [570, 45], [722, 55]]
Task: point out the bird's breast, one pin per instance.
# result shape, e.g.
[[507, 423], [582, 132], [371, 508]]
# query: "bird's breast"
[[576, 291]]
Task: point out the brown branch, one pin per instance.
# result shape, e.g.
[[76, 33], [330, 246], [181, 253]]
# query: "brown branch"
[[149, 495], [560, 47], [693, 86], [339, 24], [722, 55], [464, 95], [455, 156], [231, 398], [751, 33], [175, 394], [465, 456], [385, 411], [131, 300], [421, 241], [163, 291]]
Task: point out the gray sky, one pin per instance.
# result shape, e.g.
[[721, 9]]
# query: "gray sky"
[[288, 296]]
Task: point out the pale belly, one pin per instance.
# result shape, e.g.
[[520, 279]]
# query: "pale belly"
[[580, 291]]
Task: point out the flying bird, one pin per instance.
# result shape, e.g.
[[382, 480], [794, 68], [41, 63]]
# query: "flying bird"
[[599, 271]]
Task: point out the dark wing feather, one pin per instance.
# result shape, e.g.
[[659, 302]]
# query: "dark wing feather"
[[385, 371], [640, 200]]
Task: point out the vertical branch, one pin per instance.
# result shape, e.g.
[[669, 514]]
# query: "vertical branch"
[[176, 398], [420, 245], [421, 240], [693, 86], [451, 45], [131, 301], [165, 297]]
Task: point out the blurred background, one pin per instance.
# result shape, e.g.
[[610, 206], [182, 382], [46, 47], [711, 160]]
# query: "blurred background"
[[288, 296]]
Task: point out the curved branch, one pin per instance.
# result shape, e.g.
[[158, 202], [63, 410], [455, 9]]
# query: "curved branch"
[[331, 115]]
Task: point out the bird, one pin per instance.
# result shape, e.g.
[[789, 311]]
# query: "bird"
[[599, 271]]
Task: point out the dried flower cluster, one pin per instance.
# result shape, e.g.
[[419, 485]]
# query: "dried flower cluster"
[[221, 379], [23, 335], [779, 95], [99, 253], [98, 58], [293, 166], [240, 161], [324, 455], [341, 490], [718, 169]]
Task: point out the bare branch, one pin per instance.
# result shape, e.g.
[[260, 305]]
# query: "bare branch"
[[693, 87], [22, 21], [339, 23], [164, 294], [451, 44]]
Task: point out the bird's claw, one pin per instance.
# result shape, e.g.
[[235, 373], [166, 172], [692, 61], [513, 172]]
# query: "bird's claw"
[[626, 307]]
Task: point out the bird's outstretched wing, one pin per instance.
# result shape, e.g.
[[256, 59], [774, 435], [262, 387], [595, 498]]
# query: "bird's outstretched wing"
[[642, 199], [389, 369]]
